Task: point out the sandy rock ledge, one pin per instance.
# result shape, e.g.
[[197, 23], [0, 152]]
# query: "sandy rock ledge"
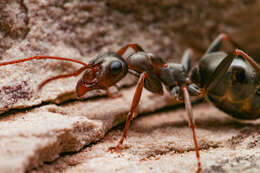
[[30, 138], [36, 126], [162, 142]]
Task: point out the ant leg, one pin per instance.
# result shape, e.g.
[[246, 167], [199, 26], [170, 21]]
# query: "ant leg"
[[76, 73], [131, 114], [185, 60], [136, 48], [219, 72], [191, 124], [224, 65], [42, 57], [216, 44], [248, 58]]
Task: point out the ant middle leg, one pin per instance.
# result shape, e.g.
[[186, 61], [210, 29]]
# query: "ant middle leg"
[[186, 59], [191, 121], [193, 89]]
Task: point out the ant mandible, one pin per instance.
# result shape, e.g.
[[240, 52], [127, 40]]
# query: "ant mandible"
[[232, 87]]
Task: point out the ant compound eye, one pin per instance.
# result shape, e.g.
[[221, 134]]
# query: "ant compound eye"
[[238, 74], [115, 67]]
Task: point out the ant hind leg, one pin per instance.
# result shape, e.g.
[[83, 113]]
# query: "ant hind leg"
[[217, 43], [225, 64], [247, 58]]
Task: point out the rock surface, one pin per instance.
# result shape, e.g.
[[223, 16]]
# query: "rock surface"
[[162, 142], [34, 136], [38, 125]]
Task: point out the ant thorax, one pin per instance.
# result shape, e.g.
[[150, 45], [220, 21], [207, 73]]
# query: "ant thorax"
[[174, 74]]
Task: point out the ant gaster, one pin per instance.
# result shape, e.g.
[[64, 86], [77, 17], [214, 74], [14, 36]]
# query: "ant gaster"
[[232, 87]]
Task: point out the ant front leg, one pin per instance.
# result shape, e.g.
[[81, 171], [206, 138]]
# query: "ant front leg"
[[131, 114], [136, 48], [216, 44]]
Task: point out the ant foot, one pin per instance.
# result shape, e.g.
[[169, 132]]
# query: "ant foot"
[[199, 170], [118, 148], [115, 149]]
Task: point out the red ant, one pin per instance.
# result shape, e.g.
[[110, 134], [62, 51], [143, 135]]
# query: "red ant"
[[232, 87]]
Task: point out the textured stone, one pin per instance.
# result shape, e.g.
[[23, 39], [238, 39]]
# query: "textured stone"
[[30, 138], [81, 30], [162, 142]]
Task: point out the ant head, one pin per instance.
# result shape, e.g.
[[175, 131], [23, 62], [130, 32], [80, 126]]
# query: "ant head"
[[104, 71]]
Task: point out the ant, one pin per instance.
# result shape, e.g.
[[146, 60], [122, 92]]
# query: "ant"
[[231, 81]]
